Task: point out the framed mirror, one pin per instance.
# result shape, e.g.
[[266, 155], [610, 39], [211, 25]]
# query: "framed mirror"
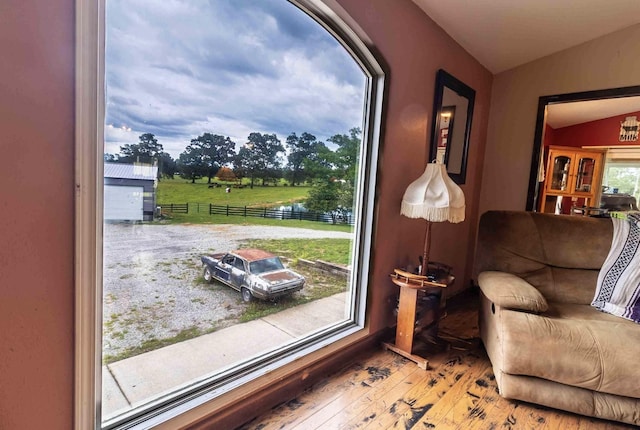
[[451, 124]]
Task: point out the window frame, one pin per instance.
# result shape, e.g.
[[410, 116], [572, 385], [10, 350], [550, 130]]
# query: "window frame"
[[621, 158], [89, 141]]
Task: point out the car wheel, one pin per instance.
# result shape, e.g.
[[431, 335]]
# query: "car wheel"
[[207, 274], [246, 295]]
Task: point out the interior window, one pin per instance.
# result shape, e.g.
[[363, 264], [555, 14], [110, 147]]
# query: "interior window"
[[622, 177], [244, 125]]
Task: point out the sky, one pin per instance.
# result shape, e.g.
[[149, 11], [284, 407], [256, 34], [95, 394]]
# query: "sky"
[[178, 69]]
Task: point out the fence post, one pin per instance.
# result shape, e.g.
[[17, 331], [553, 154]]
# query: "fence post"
[[227, 210], [187, 207], [245, 211], [265, 212]]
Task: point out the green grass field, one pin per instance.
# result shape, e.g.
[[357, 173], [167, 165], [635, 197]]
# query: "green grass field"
[[333, 250], [183, 191], [199, 195], [204, 218]]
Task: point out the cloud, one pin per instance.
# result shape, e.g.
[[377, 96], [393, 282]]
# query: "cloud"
[[178, 69]]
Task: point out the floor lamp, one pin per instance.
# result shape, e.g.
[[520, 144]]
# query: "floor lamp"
[[436, 198], [433, 197]]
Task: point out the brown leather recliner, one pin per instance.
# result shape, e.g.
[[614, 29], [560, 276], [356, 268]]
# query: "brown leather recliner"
[[547, 344]]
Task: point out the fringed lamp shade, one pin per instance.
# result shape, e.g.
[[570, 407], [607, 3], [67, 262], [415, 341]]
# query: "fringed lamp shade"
[[436, 198]]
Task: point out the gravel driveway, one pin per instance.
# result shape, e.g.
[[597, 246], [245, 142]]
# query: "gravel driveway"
[[152, 279]]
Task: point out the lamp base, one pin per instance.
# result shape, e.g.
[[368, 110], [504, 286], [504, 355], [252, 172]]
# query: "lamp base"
[[422, 363]]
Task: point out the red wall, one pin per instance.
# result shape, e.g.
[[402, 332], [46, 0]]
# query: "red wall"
[[37, 183], [603, 132], [36, 216], [549, 136]]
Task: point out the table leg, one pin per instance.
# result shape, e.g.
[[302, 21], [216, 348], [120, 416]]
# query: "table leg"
[[406, 327], [406, 318]]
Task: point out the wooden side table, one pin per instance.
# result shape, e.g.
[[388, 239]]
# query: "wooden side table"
[[410, 285]]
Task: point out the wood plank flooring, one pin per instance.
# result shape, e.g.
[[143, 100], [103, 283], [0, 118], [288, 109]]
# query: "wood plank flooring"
[[385, 391]]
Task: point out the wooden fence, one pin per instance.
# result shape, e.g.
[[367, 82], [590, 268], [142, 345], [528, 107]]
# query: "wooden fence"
[[181, 208], [247, 211], [277, 214]]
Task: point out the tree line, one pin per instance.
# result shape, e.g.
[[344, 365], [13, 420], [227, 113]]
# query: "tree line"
[[301, 160]]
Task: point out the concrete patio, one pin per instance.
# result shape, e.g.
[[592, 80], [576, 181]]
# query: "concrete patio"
[[137, 380]]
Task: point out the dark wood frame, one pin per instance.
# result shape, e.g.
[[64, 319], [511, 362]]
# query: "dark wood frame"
[[543, 102], [444, 79]]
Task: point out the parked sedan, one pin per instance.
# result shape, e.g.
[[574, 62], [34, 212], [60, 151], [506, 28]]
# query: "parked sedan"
[[253, 272]]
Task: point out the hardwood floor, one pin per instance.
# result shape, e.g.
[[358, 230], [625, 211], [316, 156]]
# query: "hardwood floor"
[[385, 391]]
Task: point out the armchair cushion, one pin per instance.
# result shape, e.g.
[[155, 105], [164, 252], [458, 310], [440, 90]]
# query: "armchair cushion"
[[511, 292], [590, 349]]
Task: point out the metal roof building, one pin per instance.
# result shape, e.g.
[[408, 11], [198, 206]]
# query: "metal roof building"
[[130, 171], [129, 191]]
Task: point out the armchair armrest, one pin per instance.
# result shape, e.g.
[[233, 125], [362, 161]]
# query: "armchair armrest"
[[511, 292]]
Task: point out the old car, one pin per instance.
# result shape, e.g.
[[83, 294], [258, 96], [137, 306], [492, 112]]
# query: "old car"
[[253, 272]]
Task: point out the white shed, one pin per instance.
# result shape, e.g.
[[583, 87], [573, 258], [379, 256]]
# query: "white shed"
[[129, 191]]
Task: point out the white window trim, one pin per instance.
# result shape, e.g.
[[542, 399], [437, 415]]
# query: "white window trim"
[[88, 223], [622, 152], [89, 132]]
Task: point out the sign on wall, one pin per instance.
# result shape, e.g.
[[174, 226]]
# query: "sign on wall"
[[629, 129]]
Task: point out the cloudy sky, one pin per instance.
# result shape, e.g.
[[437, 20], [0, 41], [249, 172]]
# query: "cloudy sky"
[[179, 68]]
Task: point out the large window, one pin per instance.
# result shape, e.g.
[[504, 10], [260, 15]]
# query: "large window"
[[226, 182], [622, 176]]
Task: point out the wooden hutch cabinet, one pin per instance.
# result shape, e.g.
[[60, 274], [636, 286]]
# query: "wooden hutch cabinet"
[[573, 178]]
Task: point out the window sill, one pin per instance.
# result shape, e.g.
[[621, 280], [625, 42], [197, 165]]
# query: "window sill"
[[249, 399]]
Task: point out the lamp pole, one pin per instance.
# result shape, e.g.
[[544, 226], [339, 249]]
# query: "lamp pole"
[[425, 253]]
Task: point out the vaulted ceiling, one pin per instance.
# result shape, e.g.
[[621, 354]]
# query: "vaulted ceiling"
[[503, 34]]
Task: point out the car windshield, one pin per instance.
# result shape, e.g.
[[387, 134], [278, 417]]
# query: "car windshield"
[[266, 265]]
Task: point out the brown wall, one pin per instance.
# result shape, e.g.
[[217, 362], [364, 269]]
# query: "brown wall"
[[414, 48], [36, 216], [607, 62], [36, 139]]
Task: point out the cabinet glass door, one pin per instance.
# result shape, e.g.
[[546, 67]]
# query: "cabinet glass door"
[[584, 175], [561, 167]]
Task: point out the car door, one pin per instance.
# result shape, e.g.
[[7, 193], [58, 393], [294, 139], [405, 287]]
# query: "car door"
[[238, 272], [224, 268]]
